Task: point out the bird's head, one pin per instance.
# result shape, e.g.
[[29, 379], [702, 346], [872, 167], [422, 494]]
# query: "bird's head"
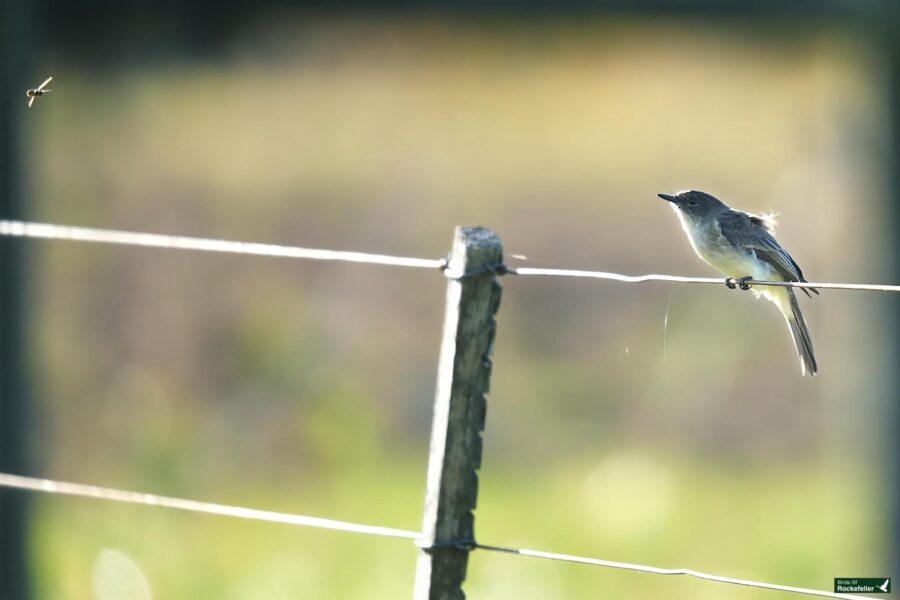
[[694, 205]]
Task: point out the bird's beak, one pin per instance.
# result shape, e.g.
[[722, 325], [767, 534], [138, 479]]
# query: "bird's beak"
[[669, 197]]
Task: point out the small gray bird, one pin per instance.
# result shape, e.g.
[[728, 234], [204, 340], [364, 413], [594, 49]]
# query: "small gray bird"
[[742, 246]]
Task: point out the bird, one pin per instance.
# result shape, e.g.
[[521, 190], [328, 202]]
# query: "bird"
[[884, 586], [742, 246], [38, 91]]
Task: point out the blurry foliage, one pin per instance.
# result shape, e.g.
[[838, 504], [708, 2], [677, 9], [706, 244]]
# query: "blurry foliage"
[[307, 387]]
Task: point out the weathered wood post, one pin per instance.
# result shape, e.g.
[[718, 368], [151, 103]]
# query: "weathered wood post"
[[464, 370]]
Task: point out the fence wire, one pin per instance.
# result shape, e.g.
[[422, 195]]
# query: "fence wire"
[[24, 229], [526, 271], [154, 240], [50, 486]]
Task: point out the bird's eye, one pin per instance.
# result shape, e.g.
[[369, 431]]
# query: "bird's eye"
[[692, 202]]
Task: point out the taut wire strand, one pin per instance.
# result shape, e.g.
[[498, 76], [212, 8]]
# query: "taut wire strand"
[[47, 231], [50, 486], [526, 271], [130, 238], [661, 571], [101, 493]]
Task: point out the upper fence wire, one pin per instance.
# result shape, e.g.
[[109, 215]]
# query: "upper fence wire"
[[23, 229]]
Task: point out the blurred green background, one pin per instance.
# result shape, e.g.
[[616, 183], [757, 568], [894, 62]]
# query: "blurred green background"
[[658, 424]]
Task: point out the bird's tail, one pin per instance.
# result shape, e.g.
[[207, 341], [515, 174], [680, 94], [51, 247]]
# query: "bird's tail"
[[786, 301], [799, 332]]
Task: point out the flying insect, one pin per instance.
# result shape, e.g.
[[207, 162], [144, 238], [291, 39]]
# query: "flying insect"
[[38, 91]]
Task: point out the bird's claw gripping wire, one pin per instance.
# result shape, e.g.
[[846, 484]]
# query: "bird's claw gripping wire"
[[731, 282]]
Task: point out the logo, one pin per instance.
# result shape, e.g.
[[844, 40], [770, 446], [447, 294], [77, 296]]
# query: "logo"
[[864, 585]]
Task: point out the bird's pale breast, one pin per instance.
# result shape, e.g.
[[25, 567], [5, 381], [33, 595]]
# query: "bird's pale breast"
[[732, 261]]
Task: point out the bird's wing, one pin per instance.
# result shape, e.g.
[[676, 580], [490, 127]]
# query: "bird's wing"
[[46, 81], [748, 231], [31, 101]]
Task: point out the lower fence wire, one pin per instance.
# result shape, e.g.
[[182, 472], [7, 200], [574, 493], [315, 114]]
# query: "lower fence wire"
[[598, 562], [50, 486]]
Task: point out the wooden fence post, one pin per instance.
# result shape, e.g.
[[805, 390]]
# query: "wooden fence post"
[[464, 370]]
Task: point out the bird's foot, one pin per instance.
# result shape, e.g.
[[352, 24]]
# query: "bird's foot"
[[731, 282]]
